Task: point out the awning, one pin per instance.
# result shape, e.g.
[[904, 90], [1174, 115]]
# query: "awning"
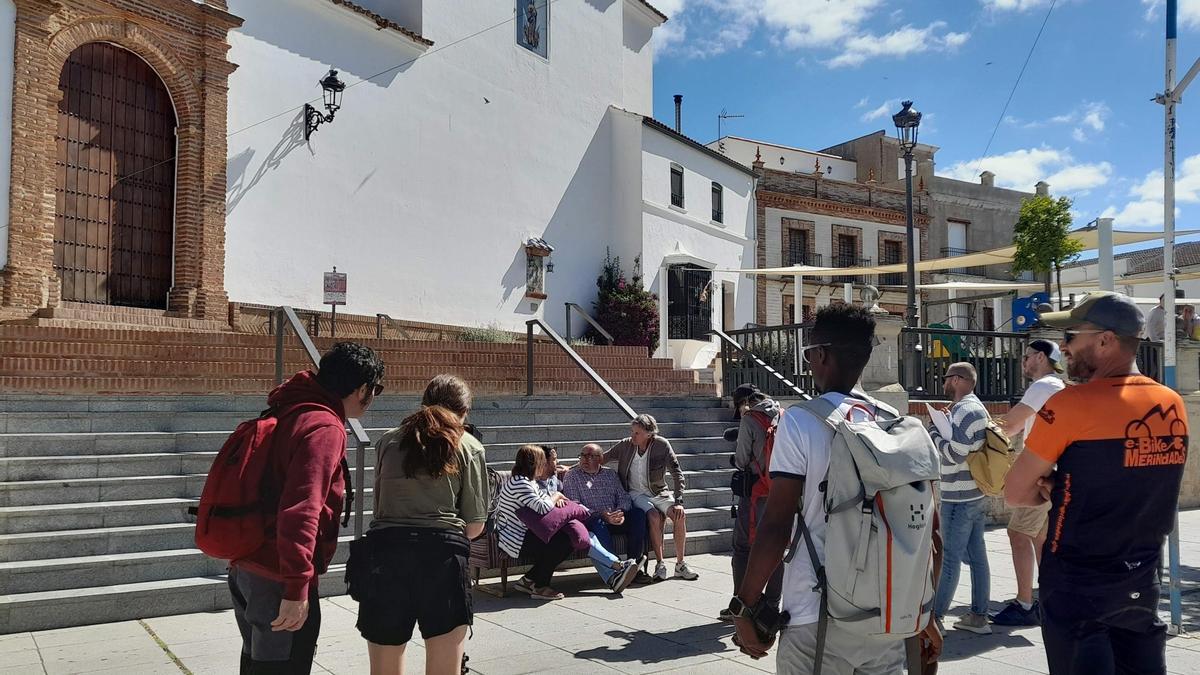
[[997, 256], [978, 286]]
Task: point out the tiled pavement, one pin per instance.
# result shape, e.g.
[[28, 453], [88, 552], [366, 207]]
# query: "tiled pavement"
[[667, 627]]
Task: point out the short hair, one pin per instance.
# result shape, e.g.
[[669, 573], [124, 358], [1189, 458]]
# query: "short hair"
[[348, 366], [529, 462], [647, 422], [850, 330], [964, 369], [450, 392]]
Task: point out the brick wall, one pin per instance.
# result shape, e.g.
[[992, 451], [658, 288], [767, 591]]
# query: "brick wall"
[[186, 44]]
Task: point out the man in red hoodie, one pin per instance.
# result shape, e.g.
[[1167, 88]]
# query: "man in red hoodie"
[[275, 597]]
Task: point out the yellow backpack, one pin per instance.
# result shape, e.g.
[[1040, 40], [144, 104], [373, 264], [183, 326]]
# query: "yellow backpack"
[[990, 464]]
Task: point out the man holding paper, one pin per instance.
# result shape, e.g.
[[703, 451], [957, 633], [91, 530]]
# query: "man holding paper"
[[956, 435]]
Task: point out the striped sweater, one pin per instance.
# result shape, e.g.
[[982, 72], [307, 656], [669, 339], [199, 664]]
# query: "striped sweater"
[[518, 491], [968, 420]]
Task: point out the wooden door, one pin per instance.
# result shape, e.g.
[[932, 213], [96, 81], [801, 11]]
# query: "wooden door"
[[115, 189]]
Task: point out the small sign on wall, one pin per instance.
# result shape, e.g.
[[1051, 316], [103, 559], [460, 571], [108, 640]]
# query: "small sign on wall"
[[335, 288]]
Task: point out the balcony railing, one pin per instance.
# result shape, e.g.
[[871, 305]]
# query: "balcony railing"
[[797, 255], [850, 261], [892, 279], [970, 271]]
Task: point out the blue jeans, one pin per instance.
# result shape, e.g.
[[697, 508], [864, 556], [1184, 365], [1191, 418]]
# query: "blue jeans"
[[962, 534], [634, 529]]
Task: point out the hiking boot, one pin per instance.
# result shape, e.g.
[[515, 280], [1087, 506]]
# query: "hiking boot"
[[619, 581], [682, 571], [660, 571], [1014, 615], [976, 623]]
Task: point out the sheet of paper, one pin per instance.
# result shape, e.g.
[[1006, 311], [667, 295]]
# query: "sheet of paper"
[[941, 421]]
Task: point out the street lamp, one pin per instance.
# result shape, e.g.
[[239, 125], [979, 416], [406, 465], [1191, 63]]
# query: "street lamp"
[[331, 95], [907, 121]]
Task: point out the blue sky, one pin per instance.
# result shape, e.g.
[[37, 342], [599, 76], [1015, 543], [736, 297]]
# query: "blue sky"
[[812, 73]]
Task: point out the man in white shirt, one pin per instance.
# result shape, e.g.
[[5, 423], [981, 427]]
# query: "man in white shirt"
[[1156, 323], [842, 338], [1027, 525]]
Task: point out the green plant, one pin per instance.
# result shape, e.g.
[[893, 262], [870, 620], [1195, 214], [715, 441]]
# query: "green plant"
[[585, 341], [1043, 238], [489, 333], [623, 307]]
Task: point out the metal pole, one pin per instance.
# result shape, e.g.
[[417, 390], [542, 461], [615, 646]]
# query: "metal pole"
[[360, 459], [1169, 283], [911, 318], [333, 321], [1105, 277], [279, 324], [529, 359], [567, 307]]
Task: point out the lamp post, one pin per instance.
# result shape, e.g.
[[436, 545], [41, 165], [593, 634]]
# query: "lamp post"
[[331, 96], [907, 121]]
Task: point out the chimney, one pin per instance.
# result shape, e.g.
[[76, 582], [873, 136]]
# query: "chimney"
[[1042, 188], [987, 178], [679, 113]]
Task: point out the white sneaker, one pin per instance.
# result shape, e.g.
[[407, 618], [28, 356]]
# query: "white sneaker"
[[976, 623], [660, 571], [682, 571]]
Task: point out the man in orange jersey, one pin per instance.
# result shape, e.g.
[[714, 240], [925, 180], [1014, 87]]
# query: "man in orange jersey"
[[1119, 441]]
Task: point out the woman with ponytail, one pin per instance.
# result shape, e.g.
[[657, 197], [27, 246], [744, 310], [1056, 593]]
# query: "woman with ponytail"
[[431, 496]]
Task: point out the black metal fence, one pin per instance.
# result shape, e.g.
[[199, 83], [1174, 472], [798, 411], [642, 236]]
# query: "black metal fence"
[[1150, 359], [996, 357], [778, 347]]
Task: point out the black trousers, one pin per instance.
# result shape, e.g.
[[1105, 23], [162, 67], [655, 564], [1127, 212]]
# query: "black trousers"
[[741, 551], [546, 556], [266, 652], [1103, 635]]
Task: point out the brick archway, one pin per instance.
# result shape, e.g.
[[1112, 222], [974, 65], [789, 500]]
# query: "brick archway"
[[189, 55]]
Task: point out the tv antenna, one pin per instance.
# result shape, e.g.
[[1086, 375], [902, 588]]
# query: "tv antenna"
[[721, 117]]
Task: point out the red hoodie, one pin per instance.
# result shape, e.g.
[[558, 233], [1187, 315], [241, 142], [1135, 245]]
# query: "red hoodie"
[[306, 471]]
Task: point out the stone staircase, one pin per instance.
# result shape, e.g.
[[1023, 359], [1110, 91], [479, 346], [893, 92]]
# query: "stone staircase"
[[94, 490]]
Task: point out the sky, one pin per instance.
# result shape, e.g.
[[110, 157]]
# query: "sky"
[[814, 73]]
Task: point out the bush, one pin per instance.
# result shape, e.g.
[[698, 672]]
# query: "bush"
[[489, 333], [624, 308]]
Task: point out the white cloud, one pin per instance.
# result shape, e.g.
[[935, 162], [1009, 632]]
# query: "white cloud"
[[862, 102], [1088, 118], [1022, 169], [886, 108], [1078, 135], [1013, 5], [1189, 12], [1146, 207], [900, 42]]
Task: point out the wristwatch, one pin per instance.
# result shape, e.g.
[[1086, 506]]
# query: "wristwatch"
[[739, 609]]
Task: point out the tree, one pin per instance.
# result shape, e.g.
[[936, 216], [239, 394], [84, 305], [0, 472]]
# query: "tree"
[[1043, 239]]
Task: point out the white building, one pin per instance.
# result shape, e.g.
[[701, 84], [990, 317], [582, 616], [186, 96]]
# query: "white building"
[[446, 158]]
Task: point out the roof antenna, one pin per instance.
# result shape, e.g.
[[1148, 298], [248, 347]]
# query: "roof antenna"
[[721, 117]]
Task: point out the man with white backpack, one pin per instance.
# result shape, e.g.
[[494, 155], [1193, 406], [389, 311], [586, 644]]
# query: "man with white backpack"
[[859, 579]]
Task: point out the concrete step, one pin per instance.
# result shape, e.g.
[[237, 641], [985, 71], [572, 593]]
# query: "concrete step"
[[44, 610]]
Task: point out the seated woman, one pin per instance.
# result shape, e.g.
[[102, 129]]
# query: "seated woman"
[[431, 495], [521, 490], [572, 517]]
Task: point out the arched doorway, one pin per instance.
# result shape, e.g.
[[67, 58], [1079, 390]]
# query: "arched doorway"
[[115, 180]]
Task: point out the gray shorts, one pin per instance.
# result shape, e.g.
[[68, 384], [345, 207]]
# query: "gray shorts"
[[647, 503], [845, 653], [255, 605]]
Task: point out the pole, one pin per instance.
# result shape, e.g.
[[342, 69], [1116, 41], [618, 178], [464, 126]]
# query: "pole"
[[1107, 278], [333, 321], [911, 318], [1169, 281]]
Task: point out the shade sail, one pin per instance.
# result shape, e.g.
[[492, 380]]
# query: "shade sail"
[[997, 256]]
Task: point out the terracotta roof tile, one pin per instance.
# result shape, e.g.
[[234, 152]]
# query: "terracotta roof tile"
[[383, 22]]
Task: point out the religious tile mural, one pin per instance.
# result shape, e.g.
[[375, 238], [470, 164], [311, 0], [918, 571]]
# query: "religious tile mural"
[[533, 26]]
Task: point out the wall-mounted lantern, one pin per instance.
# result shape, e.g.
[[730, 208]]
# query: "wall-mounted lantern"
[[537, 263], [331, 93]]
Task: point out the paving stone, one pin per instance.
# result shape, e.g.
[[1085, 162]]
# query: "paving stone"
[[24, 660], [16, 642]]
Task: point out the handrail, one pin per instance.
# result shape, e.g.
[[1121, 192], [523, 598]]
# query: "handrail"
[[562, 344], [759, 363], [379, 321], [586, 317], [284, 317]]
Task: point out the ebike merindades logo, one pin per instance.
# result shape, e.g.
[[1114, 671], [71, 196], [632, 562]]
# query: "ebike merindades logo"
[[1159, 438]]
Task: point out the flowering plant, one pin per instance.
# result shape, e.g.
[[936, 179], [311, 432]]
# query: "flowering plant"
[[623, 307]]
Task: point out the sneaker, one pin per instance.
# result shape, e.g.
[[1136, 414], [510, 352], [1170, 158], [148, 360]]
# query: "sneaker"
[[660, 571], [1014, 615], [621, 580], [976, 623], [682, 571], [726, 616], [641, 579]]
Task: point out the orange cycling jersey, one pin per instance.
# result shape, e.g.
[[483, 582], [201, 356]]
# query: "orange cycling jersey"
[[1120, 444]]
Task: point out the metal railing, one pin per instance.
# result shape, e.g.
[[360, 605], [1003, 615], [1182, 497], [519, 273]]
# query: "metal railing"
[[740, 365], [757, 353], [949, 252], [381, 319], [996, 357], [285, 317], [850, 261], [588, 318], [1150, 359], [576, 358], [798, 255]]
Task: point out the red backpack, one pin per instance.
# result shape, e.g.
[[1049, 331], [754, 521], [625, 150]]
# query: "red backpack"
[[762, 486], [233, 514]]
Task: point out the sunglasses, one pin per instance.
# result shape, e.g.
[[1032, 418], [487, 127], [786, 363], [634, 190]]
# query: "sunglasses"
[[1069, 335], [591, 455], [376, 389], [804, 350]]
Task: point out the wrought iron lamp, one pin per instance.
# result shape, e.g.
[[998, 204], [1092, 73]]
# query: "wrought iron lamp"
[[331, 93], [907, 121]]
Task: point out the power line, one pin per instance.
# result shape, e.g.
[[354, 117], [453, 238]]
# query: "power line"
[[381, 73], [1021, 74]]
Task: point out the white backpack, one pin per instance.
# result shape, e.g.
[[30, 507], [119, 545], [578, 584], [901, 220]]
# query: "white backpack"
[[877, 579]]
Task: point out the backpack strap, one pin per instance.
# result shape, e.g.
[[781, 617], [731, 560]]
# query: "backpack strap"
[[801, 531], [280, 412], [769, 424]]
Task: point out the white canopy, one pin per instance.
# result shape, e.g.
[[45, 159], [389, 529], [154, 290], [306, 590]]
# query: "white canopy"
[[1088, 237]]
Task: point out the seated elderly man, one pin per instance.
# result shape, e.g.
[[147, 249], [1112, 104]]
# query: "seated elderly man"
[[600, 490]]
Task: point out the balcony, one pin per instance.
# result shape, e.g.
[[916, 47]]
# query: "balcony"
[[893, 279], [968, 271], [850, 261], [799, 255]]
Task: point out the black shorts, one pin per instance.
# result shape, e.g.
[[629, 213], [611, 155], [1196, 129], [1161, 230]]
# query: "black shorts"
[[405, 577]]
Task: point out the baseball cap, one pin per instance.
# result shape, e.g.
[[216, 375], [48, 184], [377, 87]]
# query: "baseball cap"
[[743, 392], [1051, 350], [1105, 309]]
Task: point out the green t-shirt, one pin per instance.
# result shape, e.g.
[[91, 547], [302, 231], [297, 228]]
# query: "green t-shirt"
[[447, 503]]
